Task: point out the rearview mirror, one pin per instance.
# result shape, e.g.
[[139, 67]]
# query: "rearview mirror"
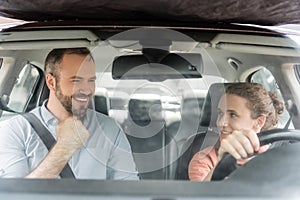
[[171, 66]]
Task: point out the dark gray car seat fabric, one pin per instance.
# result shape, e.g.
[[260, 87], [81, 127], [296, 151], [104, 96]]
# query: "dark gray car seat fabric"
[[201, 140], [145, 129], [101, 100]]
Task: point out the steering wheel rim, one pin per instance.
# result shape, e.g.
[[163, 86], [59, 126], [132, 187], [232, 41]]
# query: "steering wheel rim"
[[228, 163]]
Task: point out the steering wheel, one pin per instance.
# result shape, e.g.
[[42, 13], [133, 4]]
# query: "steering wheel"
[[228, 163]]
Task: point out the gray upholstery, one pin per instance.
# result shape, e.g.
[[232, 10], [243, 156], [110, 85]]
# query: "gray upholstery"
[[191, 108], [145, 130], [101, 101], [202, 140], [210, 104]]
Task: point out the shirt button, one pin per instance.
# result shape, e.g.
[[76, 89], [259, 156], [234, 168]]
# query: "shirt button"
[[54, 122]]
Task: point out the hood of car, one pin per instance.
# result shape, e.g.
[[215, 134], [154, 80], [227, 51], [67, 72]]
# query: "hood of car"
[[267, 12]]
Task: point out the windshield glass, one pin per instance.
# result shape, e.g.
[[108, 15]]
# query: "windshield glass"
[[152, 103]]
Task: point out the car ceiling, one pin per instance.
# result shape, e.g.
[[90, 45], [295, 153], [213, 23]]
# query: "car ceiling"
[[266, 12]]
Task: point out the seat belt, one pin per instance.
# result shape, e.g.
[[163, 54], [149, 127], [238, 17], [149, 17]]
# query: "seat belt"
[[47, 139], [289, 121]]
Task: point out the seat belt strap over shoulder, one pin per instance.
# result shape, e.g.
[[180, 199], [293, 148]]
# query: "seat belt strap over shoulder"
[[47, 139]]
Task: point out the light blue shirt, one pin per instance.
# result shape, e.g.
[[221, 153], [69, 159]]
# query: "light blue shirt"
[[106, 155]]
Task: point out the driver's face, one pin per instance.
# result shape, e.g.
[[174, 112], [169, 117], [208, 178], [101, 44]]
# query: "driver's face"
[[233, 114], [76, 85]]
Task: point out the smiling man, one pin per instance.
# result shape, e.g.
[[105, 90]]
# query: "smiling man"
[[72, 84], [91, 143]]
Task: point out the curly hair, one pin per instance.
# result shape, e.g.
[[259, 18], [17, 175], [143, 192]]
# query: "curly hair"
[[259, 101]]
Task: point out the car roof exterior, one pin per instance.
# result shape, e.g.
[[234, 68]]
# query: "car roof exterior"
[[267, 12]]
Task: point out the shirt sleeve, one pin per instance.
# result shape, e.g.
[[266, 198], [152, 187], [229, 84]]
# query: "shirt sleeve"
[[202, 163], [13, 159]]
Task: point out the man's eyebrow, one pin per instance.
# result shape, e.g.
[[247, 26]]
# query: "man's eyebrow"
[[80, 77], [230, 110], [75, 77]]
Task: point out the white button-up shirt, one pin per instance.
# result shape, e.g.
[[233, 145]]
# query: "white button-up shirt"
[[106, 155]]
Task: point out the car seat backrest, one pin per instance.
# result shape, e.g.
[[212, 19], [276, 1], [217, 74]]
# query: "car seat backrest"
[[191, 146], [145, 130], [44, 95], [189, 124], [210, 105], [202, 140]]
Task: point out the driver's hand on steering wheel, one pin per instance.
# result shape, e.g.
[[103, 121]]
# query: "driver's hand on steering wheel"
[[241, 144]]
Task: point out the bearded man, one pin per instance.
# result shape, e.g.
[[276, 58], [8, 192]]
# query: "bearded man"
[[93, 144]]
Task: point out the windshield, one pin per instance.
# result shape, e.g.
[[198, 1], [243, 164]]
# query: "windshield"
[[150, 105]]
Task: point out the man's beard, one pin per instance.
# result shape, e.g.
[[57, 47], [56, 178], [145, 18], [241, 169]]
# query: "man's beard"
[[66, 102]]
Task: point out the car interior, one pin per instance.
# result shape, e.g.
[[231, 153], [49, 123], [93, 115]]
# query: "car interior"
[[161, 85]]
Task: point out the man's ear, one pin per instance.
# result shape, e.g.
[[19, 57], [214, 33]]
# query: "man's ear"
[[260, 122], [51, 82]]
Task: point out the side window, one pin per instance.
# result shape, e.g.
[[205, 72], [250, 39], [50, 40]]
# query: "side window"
[[23, 88], [297, 70], [265, 77]]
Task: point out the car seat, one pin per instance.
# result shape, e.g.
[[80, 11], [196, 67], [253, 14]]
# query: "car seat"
[[145, 129], [189, 124], [101, 101], [202, 140]]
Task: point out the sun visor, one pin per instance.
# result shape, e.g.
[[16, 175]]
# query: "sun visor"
[[169, 66]]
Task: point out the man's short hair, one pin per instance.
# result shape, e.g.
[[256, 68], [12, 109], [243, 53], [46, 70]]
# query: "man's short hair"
[[55, 57]]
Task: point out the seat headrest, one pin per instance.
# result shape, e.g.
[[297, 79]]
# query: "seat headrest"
[[191, 104], [209, 110], [101, 99], [145, 110]]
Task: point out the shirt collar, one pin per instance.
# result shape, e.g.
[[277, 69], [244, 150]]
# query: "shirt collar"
[[50, 119], [47, 116]]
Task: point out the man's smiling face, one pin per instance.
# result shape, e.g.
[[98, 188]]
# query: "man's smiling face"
[[76, 83]]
